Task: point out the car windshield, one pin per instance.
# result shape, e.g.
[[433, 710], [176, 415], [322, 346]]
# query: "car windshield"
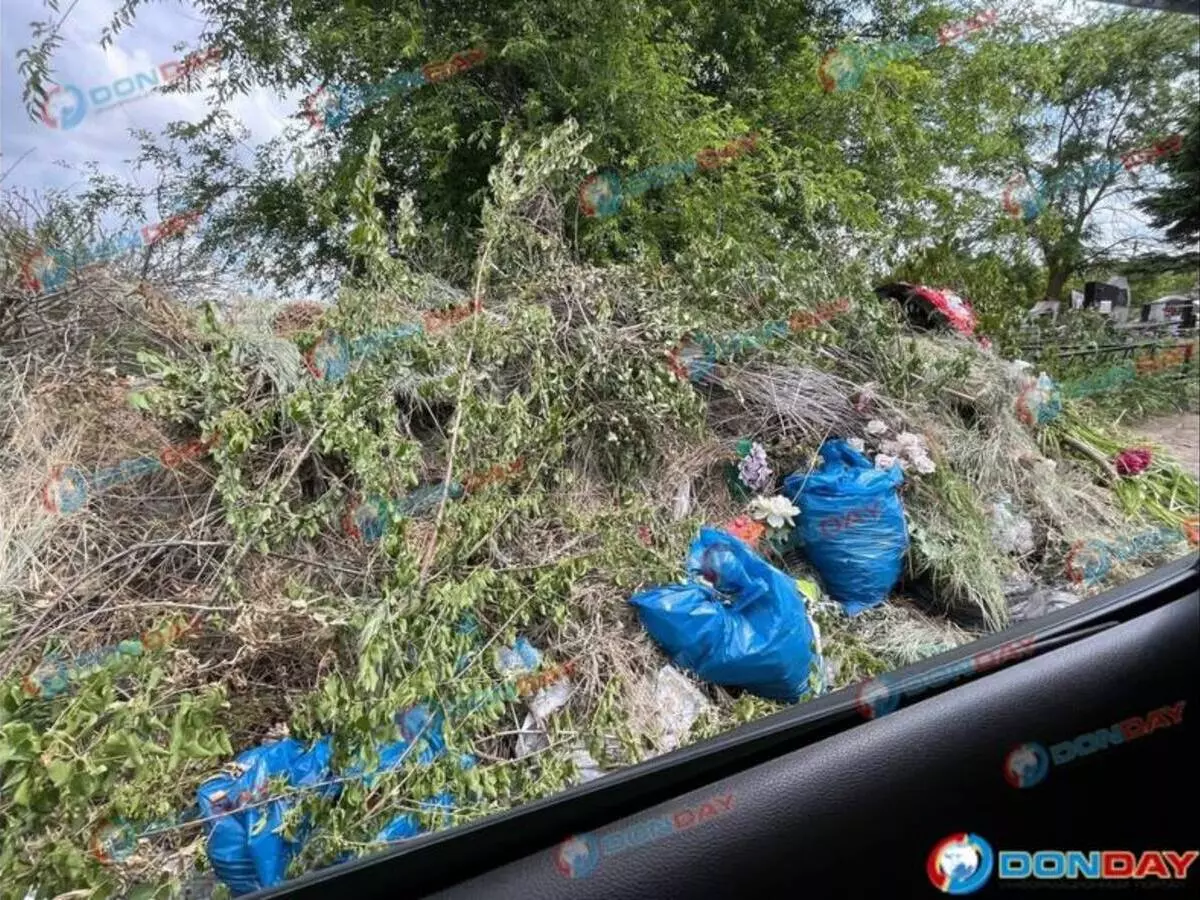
[[414, 412]]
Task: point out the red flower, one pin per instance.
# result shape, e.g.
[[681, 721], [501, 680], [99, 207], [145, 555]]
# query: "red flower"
[[746, 529], [644, 536], [1132, 462]]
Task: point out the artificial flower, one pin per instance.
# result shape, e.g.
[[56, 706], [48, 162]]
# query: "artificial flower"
[[1132, 462], [777, 510], [753, 469], [746, 529], [876, 427], [857, 444], [884, 461]]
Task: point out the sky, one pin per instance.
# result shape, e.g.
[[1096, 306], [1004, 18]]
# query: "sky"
[[35, 156], [51, 157]]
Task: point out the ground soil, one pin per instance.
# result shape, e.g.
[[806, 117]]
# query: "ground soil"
[[1180, 433]]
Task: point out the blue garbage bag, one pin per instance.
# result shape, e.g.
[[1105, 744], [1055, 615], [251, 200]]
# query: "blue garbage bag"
[[851, 525], [245, 847], [746, 627], [409, 825]]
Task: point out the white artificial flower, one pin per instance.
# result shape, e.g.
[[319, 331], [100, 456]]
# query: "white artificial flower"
[[876, 426], [924, 465], [777, 510], [883, 461], [910, 441], [891, 448], [857, 444]]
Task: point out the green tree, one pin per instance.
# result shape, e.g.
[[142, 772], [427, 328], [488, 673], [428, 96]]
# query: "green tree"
[[1080, 97], [1175, 207]]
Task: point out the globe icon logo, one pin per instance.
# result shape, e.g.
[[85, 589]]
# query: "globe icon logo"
[[577, 856], [66, 491], [960, 864], [600, 194], [877, 697], [113, 842], [329, 359], [1026, 765], [1088, 562]]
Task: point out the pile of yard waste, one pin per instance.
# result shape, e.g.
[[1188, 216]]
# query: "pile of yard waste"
[[281, 586]]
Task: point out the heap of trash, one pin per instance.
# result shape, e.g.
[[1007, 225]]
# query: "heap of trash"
[[435, 551]]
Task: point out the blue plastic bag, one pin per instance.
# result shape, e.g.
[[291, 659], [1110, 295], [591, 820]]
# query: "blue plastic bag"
[[851, 525], [245, 848], [762, 639]]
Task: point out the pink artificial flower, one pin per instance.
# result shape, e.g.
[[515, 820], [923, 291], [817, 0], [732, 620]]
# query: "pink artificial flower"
[[1132, 462]]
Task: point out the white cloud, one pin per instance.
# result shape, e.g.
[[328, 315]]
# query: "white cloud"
[[55, 157]]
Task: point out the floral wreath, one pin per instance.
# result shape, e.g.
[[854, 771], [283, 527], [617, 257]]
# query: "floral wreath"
[[956, 309]]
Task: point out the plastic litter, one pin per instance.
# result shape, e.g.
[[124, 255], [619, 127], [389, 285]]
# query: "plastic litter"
[[542, 705], [851, 525], [519, 659], [588, 768], [678, 704], [550, 699], [246, 849], [408, 826], [744, 625], [1011, 533], [245, 846]]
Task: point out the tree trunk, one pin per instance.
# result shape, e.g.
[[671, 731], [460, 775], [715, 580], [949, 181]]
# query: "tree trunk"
[[1057, 278]]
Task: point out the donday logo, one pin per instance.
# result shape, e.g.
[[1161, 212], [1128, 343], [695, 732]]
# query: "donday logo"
[[1090, 561], [600, 194], [70, 114], [578, 856], [960, 864], [1026, 765], [963, 863], [877, 698]]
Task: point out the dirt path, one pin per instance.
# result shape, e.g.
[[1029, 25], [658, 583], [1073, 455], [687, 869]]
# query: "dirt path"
[[1180, 433]]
